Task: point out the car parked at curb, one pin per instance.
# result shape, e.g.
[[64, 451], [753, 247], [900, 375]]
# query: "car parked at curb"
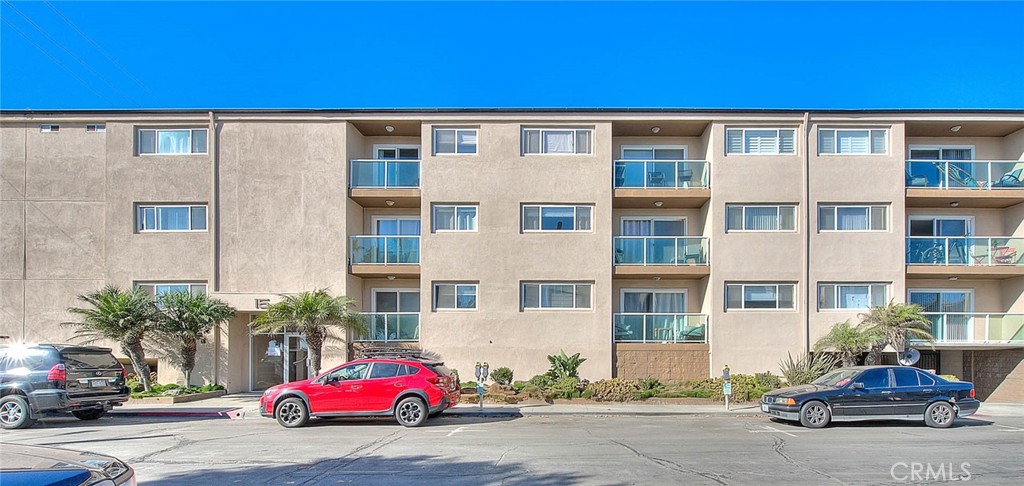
[[873, 393], [36, 379], [410, 389], [24, 465]]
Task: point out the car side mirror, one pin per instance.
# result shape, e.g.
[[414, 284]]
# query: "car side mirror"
[[857, 386]]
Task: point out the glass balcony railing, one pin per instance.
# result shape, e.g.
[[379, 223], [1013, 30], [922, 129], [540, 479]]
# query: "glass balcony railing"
[[660, 328], [965, 174], [391, 326], [385, 250], [385, 174], [965, 250], [662, 174], [660, 250], [977, 328]]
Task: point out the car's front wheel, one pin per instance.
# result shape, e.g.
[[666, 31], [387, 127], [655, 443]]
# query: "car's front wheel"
[[411, 412], [939, 415], [292, 412], [89, 414], [14, 413], [815, 415]]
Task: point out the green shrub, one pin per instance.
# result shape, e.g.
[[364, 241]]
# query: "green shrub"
[[534, 391], [502, 376], [744, 388], [949, 377], [768, 380], [134, 386], [684, 394], [563, 366], [541, 381], [568, 387], [519, 385], [806, 369], [469, 384], [614, 390]]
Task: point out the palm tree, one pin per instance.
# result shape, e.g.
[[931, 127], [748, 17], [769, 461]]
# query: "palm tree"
[[121, 316], [893, 325], [311, 313], [187, 318], [847, 341]]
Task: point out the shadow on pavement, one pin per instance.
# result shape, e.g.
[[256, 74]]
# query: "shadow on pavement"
[[440, 421], [381, 470], [959, 423]]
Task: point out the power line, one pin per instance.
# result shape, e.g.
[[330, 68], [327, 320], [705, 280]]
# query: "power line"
[[127, 97], [52, 58], [100, 49]]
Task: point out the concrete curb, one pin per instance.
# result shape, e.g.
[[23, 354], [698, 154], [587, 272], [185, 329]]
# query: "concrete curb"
[[233, 414]]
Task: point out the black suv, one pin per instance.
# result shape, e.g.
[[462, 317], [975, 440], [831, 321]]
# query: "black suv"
[[34, 379]]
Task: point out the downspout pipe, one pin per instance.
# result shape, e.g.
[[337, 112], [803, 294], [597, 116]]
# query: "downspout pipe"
[[807, 234]]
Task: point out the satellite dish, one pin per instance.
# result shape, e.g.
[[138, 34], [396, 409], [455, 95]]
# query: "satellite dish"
[[909, 357]]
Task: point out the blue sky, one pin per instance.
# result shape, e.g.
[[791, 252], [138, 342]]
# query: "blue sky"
[[80, 55]]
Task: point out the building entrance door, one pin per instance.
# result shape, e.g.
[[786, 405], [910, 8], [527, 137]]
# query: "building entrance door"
[[277, 358]]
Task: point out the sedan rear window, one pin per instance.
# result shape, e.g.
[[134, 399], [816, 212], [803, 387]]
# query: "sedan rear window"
[[90, 360], [905, 377], [876, 378]]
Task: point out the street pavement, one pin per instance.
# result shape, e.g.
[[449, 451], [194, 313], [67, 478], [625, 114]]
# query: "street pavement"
[[540, 445]]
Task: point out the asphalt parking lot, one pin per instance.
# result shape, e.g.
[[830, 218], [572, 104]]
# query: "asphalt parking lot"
[[544, 450]]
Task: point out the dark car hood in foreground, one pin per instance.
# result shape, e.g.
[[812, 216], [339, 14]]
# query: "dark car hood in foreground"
[[791, 391], [48, 465]]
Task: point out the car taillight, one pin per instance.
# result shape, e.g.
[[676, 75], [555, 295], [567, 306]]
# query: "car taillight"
[[124, 372], [57, 373], [972, 392], [435, 380]]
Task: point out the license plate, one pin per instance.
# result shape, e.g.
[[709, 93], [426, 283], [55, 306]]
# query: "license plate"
[[764, 408], [97, 383]]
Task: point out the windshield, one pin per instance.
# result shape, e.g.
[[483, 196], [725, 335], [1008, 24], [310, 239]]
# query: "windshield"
[[836, 378]]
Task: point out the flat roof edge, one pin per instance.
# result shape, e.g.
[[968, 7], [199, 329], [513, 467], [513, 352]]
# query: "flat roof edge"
[[286, 111]]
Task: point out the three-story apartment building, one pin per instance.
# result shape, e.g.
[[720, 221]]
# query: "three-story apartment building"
[[661, 243]]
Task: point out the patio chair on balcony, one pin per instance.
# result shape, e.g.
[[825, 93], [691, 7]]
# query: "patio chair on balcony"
[[1010, 179], [685, 177], [957, 174], [655, 179], [1004, 255], [916, 180]]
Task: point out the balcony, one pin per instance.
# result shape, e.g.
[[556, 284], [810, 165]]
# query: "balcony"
[[665, 256], [385, 256], [391, 327], [964, 183], [373, 183], [977, 257], [673, 183], [952, 329], [660, 328]]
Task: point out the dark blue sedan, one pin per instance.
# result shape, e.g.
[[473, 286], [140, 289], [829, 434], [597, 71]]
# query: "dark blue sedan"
[[873, 393]]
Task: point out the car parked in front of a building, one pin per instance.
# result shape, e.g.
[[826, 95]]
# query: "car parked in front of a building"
[[52, 378], [873, 393], [25, 465], [410, 389]]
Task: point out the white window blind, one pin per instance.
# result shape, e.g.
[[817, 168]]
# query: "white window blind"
[[760, 141], [833, 141], [760, 218]]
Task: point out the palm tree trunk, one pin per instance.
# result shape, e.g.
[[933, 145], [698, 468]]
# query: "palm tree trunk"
[[874, 354], [137, 356], [315, 341], [188, 358]]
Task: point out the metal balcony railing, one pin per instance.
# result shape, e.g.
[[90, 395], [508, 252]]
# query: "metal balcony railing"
[[660, 328], [661, 174], [660, 250], [965, 174], [977, 328], [965, 250], [384, 174], [391, 327], [385, 250]]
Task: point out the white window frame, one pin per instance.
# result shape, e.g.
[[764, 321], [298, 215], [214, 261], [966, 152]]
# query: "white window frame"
[[835, 215], [377, 147], [476, 146], [623, 219], [522, 296], [373, 300], [522, 216], [101, 127], [376, 218], [969, 292], [49, 128], [140, 219], [191, 132], [796, 218], [575, 133], [622, 299], [968, 222], [476, 296], [433, 218], [652, 148], [940, 147], [835, 294], [743, 302], [778, 141], [156, 296], [835, 141]]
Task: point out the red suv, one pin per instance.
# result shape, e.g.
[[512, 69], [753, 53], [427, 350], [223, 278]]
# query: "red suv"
[[410, 389]]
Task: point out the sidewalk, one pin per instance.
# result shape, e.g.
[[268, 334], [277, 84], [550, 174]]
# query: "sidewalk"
[[246, 406]]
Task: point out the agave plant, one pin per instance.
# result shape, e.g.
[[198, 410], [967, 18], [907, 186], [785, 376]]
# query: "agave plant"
[[806, 368], [563, 366]]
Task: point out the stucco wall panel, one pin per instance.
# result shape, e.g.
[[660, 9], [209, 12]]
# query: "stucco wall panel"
[[65, 240]]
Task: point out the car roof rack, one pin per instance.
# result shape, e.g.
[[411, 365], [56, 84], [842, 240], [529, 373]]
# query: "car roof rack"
[[393, 352]]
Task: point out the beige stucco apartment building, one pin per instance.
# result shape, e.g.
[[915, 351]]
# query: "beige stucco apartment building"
[[663, 243]]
